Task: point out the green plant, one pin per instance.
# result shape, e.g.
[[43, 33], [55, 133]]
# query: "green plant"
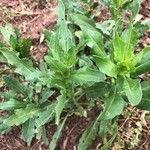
[[108, 76]]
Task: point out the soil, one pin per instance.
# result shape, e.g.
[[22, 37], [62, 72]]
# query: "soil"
[[31, 16]]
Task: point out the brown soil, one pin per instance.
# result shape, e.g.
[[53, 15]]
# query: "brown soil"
[[31, 16]]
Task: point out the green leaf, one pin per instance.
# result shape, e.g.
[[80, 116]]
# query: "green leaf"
[[106, 27], [67, 40], [146, 88], [57, 135], [8, 95], [2, 58], [144, 65], [28, 131], [133, 90], [7, 32], [89, 135], [61, 101], [144, 104], [134, 7], [97, 90], [12, 104], [16, 86], [85, 75], [45, 115], [92, 37], [114, 131], [46, 93], [53, 43], [3, 128], [55, 65], [114, 105], [22, 115], [41, 135], [106, 66], [23, 67], [123, 46], [130, 37], [24, 46]]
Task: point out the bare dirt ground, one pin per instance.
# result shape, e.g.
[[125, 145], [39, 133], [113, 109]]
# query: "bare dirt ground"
[[31, 16]]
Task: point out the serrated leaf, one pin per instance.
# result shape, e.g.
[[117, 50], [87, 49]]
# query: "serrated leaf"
[[92, 37], [114, 105], [12, 104], [16, 86], [61, 101], [28, 131], [67, 40], [89, 135], [45, 116], [57, 135], [55, 65], [86, 75], [3, 128], [23, 67], [106, 66], [22, 115], [53, 43], [41, 135], [133, 90]]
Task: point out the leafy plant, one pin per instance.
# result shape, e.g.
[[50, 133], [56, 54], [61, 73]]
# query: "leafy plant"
[[108, 75]]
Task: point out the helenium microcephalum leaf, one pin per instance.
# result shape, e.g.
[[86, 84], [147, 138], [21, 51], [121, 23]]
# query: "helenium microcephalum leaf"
[[133, 90]]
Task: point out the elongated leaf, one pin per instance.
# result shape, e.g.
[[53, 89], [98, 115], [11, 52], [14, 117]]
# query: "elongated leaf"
[[146, 88], [22, 115], [23, 67], [129, 36], [106, 66], [53, 42], [12, 104], [57, 135], [92, 36], [45, 116], [106, 26], [144, 104], [97, 90], [87, 75], [7, 32], [41, 135], [61, 101], [83, 21], [3, 127], [16, 86], [114, 105], [89, 135], [123, 46], [134, 7], [133, 90], [56, 65], [8, 95], [67, 40], [144, 66], [28, 131]]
